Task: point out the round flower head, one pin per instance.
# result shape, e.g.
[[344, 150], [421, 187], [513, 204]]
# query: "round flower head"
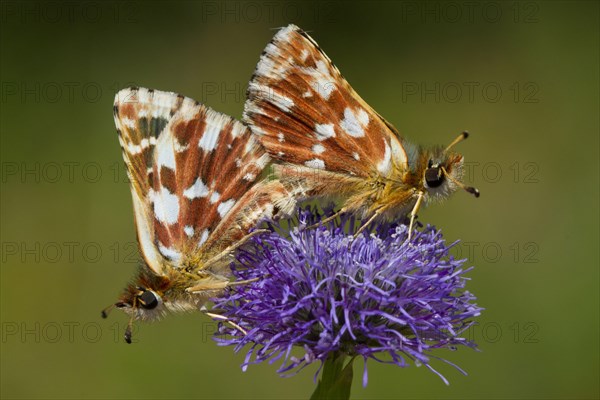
[[324, 292]]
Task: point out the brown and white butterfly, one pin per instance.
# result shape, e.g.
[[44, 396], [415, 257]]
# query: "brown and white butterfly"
[[196, 188], [329, 142]]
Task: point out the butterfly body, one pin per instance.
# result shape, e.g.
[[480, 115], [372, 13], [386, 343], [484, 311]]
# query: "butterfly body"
[[330, 143], [195, 179], [390, 196]]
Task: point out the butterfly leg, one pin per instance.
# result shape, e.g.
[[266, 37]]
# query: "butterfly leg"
[[226, 320], [236, 245], [244, 282], [208, 284], [217, 284], [364, 226], [221, 283], [413, 214], [326, 220]]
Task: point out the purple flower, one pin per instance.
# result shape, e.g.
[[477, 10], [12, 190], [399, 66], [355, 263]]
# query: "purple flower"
[[319, 290]]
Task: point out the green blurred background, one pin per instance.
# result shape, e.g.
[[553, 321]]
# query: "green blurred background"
[[522, 77]]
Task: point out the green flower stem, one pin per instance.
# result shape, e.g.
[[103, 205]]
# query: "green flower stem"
[[336, 379]]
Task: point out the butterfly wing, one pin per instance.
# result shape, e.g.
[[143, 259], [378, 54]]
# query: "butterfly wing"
[[306, 114], [189, 167]]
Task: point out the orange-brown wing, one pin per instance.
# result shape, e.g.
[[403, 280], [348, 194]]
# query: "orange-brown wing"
[[188, 166], [305, 113], [265, 199]]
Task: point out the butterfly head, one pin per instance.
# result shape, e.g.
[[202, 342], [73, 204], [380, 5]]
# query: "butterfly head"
[[143, 299], [142, 302], [442, 172]]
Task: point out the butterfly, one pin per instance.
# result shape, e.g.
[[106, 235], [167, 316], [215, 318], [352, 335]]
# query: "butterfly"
[[195, 179], [328, 142]]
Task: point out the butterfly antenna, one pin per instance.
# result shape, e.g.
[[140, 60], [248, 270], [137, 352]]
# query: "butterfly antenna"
[[459, 139], [474, 191], [107, 311]]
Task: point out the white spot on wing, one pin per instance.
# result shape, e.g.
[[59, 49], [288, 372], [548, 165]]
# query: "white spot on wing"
[[214, 197], [198, 189], [128, 122], [304, 55], [354, 124], [238, 130], [165, 155], [323, 88], [363, 117], [315, 163], [318, 149], [280, 137], [282, 102], [142, 96], [203, 237], [322, 82], [209, 139], [224, 207], [166, 205], [356, 156], [399, 153], [189, 230], [170, 253], [134, 149], [324, 131], [138, 148], [179, 148], [386, 164]]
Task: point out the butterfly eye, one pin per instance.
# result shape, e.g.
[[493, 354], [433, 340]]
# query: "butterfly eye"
[[434, 176], [148, 299]]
